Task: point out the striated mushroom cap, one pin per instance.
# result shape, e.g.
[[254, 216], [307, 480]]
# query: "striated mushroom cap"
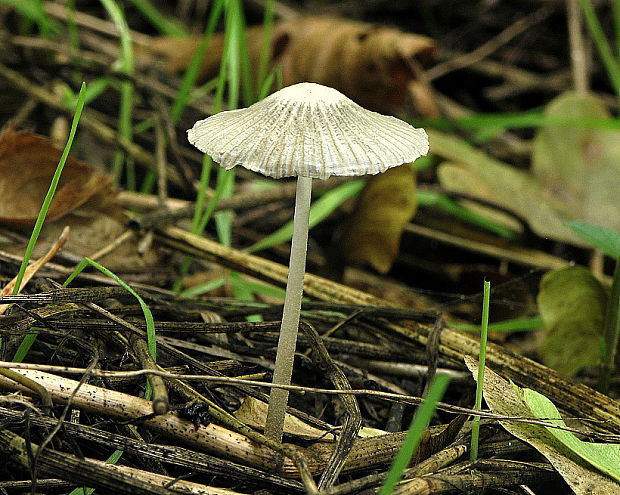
[[308, 130]]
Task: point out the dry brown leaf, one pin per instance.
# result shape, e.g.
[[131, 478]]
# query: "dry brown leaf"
[[85, 200], [253, 412], [27, 164], [385, 206], [374, 65]]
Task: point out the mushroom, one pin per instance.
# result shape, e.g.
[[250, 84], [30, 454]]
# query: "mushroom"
[[309, 131]]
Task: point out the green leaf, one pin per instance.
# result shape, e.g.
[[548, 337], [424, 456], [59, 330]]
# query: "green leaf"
[[603, 456], [572, 304], [506, 400], [602, 238], [320, 210]]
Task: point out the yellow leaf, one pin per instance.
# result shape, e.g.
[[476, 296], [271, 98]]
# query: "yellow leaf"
[[386, 205]]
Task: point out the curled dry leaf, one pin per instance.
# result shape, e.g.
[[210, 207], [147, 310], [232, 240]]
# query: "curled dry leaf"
[[253, 412], [376, 66], [27, 163], [385, 206]]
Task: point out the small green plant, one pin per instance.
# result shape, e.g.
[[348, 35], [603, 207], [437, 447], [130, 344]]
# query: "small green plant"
[[484, 330]]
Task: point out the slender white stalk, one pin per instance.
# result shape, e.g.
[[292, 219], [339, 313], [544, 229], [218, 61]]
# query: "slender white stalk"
[[278, 398]]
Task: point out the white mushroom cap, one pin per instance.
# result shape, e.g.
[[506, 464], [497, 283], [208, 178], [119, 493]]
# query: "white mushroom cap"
[[308, 130]]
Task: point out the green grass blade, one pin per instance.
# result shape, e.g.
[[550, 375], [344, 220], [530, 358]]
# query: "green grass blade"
[[72, 28], [201, 218], [263, 289], [163, 24], [319, 210], [419, 424], [205, 177], [96, 88], [148, 316], [484, 331], [242, 291], [201, 289], [29, 339], [223, 219], [126, 87], [615, 6], [33, 11], [113, 459], [24, 347], [441, 201], [235, 52], [207, 162], [265, 88], [265, 48], [246, 75], [36, 230], [234, 33], [232, 70], [191, 74], [602, 44], [490, 124]]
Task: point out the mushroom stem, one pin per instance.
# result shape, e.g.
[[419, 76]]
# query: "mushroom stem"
[[278, 398]]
